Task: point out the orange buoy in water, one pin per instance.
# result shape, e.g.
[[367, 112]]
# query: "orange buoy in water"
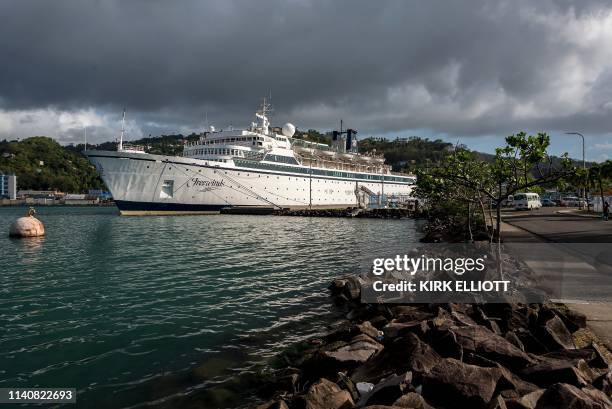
[[28, 226]]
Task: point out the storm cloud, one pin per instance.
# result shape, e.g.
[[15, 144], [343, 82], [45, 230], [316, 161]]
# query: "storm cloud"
[[464, 68]]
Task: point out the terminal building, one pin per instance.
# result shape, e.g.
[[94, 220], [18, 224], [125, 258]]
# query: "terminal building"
[[8, 186]]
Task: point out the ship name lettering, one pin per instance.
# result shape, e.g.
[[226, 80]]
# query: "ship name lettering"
[[205, 183]]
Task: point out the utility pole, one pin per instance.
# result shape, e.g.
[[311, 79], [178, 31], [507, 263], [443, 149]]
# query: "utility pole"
[[583, 162]]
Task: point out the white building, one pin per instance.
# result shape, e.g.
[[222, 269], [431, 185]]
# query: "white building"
[[8, 186]]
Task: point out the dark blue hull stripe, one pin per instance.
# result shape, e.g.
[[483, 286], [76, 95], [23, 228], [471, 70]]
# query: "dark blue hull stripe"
[[124, 205]]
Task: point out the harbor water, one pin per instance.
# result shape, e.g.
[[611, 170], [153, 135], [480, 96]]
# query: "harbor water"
[[167, 311]]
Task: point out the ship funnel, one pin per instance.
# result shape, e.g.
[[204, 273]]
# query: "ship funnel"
[[351, 140]]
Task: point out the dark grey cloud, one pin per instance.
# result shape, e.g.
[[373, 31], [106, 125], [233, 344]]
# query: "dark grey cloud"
[[467, 68]]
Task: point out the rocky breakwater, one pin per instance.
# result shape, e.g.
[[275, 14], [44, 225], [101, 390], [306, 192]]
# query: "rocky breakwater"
[[422, 356]]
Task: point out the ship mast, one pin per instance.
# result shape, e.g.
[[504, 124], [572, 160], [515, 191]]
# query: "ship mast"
[[120, 147], [262, 115]]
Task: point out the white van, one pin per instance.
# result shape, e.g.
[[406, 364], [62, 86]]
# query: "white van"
[[572, 201], [526, 201]]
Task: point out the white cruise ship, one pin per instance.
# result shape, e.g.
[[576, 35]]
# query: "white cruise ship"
[[256, 167]]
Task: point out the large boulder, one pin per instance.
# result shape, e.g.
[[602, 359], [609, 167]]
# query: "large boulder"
[[527, 401], [463, 319], [326, 395], [552, 371], [421, 358], [586, 354], [593, 355], [490, 345], [387, 390], [368, 329], [352, 287], [412, 400], [564, 396], [454, 384], [337, 286], [604, 383], [404, 354], [555, 335], [359, 349], [483, 319], [511, 337], [408, 313], [573, 320], [347, 332], [530, 342], [598, 396], [600, 360], [515, 317], [396, 329], [510, 385]]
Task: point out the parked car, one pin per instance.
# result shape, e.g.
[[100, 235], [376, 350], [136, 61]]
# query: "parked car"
[[526, 201], [548, 203], [573, 201]]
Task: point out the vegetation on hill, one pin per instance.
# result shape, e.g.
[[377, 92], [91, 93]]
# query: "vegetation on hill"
[[158, 145], [313, 135], [43, 164], [407, 154]]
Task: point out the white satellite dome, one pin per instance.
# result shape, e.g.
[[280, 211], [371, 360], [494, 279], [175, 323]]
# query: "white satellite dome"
[[288, 129]]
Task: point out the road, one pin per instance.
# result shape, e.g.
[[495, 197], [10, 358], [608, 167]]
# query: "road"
[[558, 228], [586, 274]]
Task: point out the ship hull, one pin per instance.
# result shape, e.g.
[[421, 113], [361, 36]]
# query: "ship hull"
[[145, 184]]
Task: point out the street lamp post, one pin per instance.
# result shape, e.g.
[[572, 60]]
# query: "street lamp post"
[[583, 162]]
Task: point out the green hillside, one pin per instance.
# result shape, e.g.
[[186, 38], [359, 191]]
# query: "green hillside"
[[43, 164], [407, 154]]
